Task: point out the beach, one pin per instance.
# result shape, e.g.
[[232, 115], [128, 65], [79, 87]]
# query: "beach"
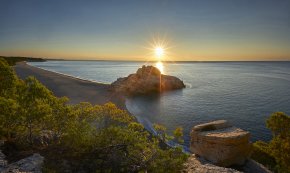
[[77, 90]]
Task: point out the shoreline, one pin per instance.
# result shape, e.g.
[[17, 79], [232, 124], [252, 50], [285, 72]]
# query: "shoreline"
[[76, 89], [87, 91], [67, 75]]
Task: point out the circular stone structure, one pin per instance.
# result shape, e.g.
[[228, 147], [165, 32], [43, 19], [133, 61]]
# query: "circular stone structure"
[[221, 143]]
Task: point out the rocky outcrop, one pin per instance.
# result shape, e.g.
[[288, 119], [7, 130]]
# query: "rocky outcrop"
[[217, 146], [196, 164], [32, 164], [252, 166], [220, 143], [147, 79]]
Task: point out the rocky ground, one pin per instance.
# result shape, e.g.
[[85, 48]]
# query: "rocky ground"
[[31, 164], [197, 164]]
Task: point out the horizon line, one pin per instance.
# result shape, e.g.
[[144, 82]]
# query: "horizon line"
[[128, 60]]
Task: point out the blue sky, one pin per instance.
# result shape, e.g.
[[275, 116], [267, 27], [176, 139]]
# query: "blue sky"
[[193, 29]]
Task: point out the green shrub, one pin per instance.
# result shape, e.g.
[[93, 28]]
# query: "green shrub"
[[276, 153], [8, 80]]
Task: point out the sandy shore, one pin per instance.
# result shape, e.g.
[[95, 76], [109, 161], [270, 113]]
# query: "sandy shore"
[[77, 90]]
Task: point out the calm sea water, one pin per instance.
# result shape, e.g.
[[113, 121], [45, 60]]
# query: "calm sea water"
[[245, 93]]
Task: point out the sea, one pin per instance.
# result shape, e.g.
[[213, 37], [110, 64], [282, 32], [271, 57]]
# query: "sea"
[[244, 93]]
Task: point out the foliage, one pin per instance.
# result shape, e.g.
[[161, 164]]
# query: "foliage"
[[8, 79], [278, 148], [261, 155], [279, 124], [178, 134], [88, 138], [35, 101], [161, 131], [123, 144], [9, 119], [13, 60]]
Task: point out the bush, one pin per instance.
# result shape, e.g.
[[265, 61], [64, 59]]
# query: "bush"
[[8, 80], [261, 155], [276, 153]]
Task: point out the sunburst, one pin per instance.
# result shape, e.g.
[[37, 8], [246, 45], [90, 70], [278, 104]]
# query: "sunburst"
[[159, 48]]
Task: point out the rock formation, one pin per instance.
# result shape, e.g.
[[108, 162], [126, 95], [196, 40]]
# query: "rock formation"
[[220, 143], [147, 79], [196, 164], [252, 166], [30, 164]]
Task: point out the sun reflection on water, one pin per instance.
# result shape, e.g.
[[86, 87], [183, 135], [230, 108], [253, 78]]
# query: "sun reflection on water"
[[160, 66]]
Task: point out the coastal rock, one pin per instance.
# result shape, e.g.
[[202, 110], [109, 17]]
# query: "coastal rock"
[[30, 164], [147, 79], [252, 166], [220, 143], [196, 164]]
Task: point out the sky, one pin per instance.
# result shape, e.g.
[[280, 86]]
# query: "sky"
[[189, 30]]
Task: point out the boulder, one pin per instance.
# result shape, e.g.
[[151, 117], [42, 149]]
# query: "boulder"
[[220, 143], [147, 79]]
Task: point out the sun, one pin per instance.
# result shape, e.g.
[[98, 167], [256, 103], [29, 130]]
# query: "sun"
[[159, 48], [159, 52]]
